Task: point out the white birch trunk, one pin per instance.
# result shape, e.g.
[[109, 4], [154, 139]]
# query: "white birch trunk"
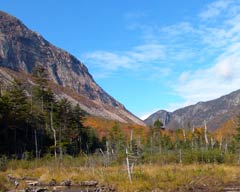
[[128, 167], [54, 132], [184, 135], [205, 133]]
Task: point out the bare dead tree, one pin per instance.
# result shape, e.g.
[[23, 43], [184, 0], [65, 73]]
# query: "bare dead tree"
[[193, 136], [212, 142], [36, 143], [128, 166], [131, 140], [54, 132], [184, 135], [205, 133], [220, 143]]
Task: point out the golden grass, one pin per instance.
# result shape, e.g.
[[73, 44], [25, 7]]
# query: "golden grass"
[[154, 177]]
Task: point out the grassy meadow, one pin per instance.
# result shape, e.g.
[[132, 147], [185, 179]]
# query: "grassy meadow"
[[145, 177]]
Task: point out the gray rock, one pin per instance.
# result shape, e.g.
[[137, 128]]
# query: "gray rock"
[[214, 112], [22, 49]]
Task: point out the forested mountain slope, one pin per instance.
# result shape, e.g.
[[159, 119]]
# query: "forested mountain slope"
[[21, 50], [215, 113]]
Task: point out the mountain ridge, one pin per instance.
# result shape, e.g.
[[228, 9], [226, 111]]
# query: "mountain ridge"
[[215, 112], [22, 49]]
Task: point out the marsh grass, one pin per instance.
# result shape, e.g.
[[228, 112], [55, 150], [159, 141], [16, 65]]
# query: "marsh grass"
[[146, 177]]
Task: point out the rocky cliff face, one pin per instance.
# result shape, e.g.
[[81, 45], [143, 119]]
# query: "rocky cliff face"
[[22, 49], [162, 115], [214, 112]]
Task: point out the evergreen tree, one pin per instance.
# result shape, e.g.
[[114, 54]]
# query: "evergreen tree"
[[235, 144], [63, 114], [18, 116], [117, 138], [77, 134], [157, 136]]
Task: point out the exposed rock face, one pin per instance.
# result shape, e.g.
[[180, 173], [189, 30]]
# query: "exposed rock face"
[[22, 49], [162, 115], [214, 112]]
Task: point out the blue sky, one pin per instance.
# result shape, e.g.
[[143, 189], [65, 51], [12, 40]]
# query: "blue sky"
[[148, 54]]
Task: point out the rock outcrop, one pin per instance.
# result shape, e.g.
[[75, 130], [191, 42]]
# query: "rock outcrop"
[[22, 49], [214, 112]]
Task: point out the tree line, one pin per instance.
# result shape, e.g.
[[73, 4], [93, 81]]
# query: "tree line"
[[34, 121], [183, 145]]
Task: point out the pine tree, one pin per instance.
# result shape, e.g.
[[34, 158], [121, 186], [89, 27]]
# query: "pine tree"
[[117, 138], [19, 115], [236, 138], [157, 135], [63, 114]]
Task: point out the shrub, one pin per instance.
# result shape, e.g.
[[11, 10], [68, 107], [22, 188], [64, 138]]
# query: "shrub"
[[3, 163]]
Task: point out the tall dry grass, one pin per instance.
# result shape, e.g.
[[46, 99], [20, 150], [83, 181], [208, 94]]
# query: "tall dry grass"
[[147, 177]]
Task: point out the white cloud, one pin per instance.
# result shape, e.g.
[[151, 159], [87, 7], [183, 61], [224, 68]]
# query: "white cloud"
[[132, 59], [178, 29], [184, 76], [208, 50], [215, 9], [212, 82], [221, 75], [108, 60], [145, 115]]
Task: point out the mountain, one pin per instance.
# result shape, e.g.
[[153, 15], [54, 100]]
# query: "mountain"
[[215, 113], [22, 49]]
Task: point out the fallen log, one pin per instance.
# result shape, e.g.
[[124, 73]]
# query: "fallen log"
[[88, 183]]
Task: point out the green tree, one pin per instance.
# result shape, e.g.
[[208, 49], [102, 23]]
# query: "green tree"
[[19, 113], [41, 91], [158, 124], [117, 138], [156, 140], [77, 133], [235, 144], [63, 114]]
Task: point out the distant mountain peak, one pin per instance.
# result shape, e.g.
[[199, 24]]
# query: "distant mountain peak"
[[215, 112]]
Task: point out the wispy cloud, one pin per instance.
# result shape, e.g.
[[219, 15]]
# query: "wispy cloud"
[[202, 58], [145, 115], [133, 59], [215, 9], [219, 79], [109, 60], [222, 75]]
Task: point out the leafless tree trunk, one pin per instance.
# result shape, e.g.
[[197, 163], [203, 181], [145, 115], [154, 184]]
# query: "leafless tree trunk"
[[54, 132], [193, 132], [226, 147], [36, 143], [60, 142], [139, 143], [220, 143], [128, 167], [131, 140], [184, 135], [205, 133], [212, 142], [108, 153], [42, 103], [151, 145], [31, 101]]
